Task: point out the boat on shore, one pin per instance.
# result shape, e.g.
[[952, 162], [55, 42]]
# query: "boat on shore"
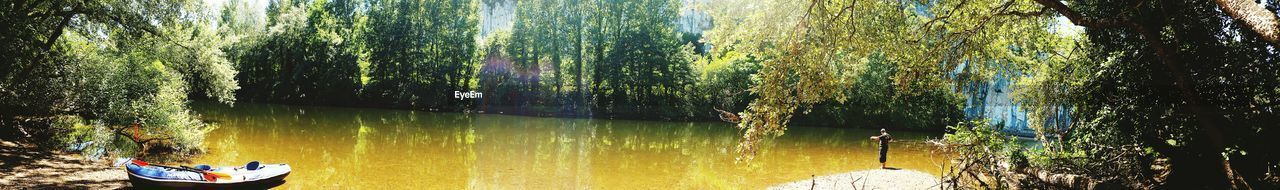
[[251, 176]]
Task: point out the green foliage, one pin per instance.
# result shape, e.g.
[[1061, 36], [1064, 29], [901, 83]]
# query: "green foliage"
[[603, 58], [576, 57], [96, 67], [875, 102], [237, 19], [627, 58], [420, 52], [308, 55], [1178, 78], [822, 55], [1100, 153], [643, 77], [1208, 85], [979, 135], [498, 76], [1050, 90], [981, 151], [724, 80], [120, 87], [31, 32]]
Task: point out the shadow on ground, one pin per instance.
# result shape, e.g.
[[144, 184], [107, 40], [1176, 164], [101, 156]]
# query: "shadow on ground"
[[24, 166]]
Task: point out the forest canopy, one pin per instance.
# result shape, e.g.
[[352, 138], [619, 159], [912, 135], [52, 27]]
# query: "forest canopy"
[[1187, 84], [94, 69]]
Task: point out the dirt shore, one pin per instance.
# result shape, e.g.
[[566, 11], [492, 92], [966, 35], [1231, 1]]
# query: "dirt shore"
[[24, 166], [867, 179]]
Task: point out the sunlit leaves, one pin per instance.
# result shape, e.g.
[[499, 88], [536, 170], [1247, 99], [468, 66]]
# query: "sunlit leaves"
[[146, 83], [933, 44]]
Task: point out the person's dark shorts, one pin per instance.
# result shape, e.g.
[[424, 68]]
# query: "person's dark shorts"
[[883, 154]]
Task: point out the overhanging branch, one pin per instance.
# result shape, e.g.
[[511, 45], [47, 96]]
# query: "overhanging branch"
[[1253, 15], [1078, 19]]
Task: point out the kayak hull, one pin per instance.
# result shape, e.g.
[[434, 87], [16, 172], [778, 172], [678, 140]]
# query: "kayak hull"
[[264, 181], [146, 182]]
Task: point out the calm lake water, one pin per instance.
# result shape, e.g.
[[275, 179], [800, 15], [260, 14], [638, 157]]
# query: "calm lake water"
[[398, 149]]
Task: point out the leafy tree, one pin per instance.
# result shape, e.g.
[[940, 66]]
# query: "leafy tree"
[[497, 76], [307, 55], [1204, 123], [874, 101], [645, 77], [33, 29], [724, 80], [527, 46], [237, 19], [1187, 81], [100, 67], [626, 55], [420, 52]]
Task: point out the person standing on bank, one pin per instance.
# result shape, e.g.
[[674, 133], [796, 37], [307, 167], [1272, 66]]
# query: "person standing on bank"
[[884, 146]]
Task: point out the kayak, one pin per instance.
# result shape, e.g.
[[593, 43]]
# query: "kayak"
[[253, 175]]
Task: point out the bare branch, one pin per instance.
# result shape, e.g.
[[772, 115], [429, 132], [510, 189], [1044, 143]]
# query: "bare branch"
[[57, 32], [1041, 12], [1078, 19]]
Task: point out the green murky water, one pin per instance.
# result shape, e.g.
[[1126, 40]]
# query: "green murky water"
[[397, 149]]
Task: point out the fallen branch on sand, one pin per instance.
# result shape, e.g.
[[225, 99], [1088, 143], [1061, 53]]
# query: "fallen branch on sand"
[[869, 179]]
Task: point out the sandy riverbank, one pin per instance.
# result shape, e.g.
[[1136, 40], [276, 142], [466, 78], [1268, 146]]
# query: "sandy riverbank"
[[27, 167], [868, 179]]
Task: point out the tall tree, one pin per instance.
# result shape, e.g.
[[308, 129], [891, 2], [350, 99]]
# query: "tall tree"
[[34, 27], [1167, 35], [632, 75], [99, 67], [420, 52], [307, 56]]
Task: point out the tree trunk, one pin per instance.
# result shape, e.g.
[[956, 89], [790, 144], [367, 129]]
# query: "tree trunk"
[[555, 64], [577, 61], [1255, 17], [1204, 166]]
